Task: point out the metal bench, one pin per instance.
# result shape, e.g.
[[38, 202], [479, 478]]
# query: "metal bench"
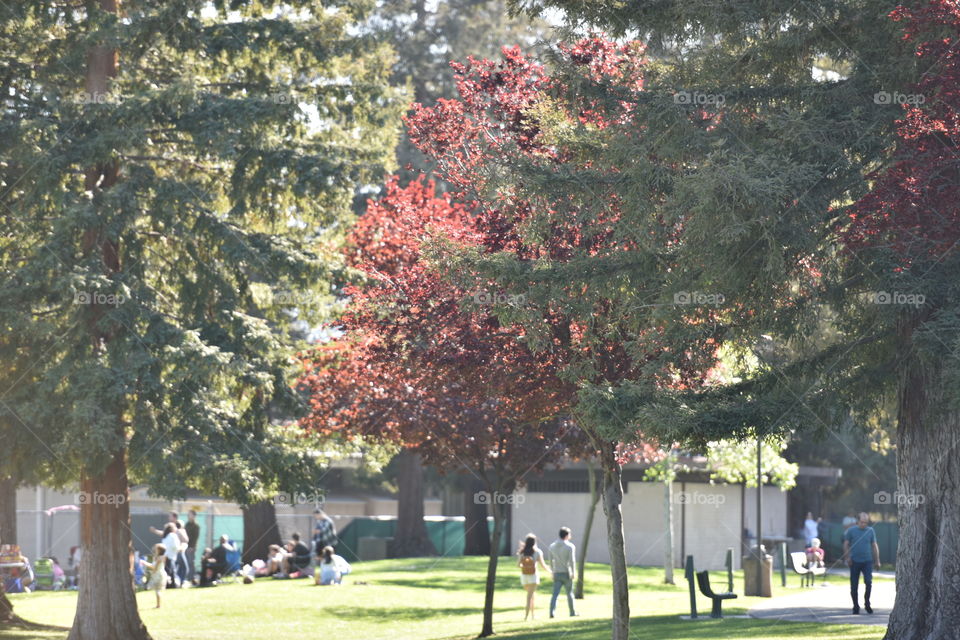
[[703, 581], [807, 574]]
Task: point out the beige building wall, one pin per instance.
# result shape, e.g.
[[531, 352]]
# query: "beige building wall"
[[706, 521]]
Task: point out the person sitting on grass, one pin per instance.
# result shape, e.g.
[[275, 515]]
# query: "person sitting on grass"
[[330, 567], [158, 575], [276, 561], [215, 564], [815, 554], [297, 558]]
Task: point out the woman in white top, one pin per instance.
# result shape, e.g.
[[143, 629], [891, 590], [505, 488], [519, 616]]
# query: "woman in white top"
[[330, 567], [529, 558], [171, 546]]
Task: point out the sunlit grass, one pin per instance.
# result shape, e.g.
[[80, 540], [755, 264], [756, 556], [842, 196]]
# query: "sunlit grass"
[[431, 599]]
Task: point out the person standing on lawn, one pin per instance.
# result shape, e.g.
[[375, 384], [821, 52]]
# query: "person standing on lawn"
[[862, 554], [324, 531], [562, 554], [193, 536]]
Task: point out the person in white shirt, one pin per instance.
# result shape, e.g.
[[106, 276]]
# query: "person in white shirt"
[[171, 547], [563, 566]]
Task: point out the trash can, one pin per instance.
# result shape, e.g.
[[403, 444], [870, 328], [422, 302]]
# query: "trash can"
[[372, 548], [750, 574]]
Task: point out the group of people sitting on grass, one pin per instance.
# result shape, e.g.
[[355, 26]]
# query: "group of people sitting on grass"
[[292, 560]]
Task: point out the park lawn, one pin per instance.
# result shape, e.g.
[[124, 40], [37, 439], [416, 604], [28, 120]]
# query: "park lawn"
[[431, 599]]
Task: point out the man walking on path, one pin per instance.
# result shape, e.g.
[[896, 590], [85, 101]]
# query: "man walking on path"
[[562, 554], [861, 552]]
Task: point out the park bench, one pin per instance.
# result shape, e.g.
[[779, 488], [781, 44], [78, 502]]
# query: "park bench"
[[703, 581], [807, 574]]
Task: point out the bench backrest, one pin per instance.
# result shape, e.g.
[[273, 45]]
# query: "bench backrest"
[[799, 559], [703, 581]]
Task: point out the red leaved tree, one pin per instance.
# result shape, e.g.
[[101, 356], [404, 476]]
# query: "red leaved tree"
[[416, 367]]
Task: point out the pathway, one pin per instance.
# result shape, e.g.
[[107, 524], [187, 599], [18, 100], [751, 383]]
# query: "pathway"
[[829, 603]]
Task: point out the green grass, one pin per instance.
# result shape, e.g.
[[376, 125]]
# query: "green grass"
[[430, 599]]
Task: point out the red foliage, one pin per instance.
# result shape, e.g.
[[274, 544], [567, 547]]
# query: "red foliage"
[[416, 368], [495, 116], [914, 206]]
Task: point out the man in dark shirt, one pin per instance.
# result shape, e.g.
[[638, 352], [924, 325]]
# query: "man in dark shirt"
[[298, 557], [193, 535]]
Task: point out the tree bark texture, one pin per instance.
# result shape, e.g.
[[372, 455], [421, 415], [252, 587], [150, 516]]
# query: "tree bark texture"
[[260, 530], [587, 527], [475, 528], [411, 539], [612, 500], [499, 522]]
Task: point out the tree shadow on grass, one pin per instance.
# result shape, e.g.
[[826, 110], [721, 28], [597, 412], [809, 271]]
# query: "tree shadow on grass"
[[660, 627], [372, 614]]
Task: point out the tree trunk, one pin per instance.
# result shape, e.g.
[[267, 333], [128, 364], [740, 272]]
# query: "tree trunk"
[[8, 535], [475, 528], [499, 521], [928, 438], [744, 543], [668, 537], [587, 527], [259, 530], [411, 539], [612, 499], [106, 606], [8, 511]]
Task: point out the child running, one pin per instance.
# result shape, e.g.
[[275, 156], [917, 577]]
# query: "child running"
[[158, 577]]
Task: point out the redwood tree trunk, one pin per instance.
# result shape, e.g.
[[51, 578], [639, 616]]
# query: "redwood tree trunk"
[[475, 528], [499, 521], [585, 540], [612, 499], [8, 511], [259, 530], [928, 439], [411, 539], [106, 606], [8, 535]]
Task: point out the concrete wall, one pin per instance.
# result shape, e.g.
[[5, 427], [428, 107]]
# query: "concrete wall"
[[706, 521], [42, 535]]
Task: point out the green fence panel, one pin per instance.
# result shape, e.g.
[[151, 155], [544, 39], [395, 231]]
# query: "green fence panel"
[[448, 536]]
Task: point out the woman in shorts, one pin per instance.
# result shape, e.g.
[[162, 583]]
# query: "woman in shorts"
[[529, 559]]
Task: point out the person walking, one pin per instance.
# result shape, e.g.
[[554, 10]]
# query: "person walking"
[[563, 565], [862, 554], [529, 558], [193, 536]]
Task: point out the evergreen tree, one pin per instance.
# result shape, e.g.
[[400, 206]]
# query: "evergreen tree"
[[767, 137], [173, 174]]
